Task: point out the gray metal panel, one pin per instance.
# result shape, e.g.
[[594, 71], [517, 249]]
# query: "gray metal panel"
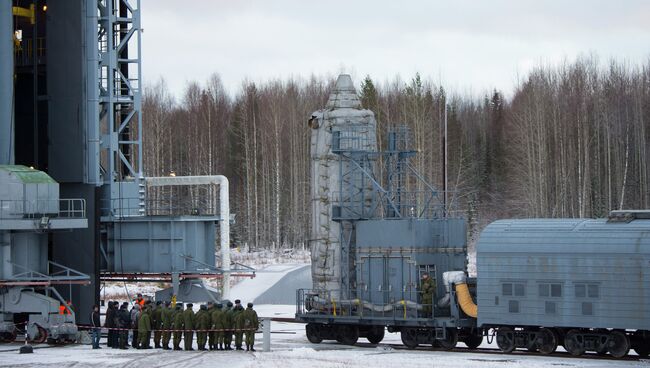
[[29, 252], [612, 257], [162, 244], [78, 249], [66, 90], [6, 84], [411, 233], [391, 253]]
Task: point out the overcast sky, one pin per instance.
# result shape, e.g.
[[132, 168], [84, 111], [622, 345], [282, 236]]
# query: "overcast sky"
[[470, 46]]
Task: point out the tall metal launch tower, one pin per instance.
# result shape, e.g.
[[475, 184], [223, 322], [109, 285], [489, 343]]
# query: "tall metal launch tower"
[[75, 207]]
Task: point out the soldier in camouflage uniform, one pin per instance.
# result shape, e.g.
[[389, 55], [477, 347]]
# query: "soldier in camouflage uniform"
[[189, 322], [227, 326], [239, 334], [217, 324], [250, 325], [202, 325], [428, 290], [178, 325], [144, 329], [156, 324], [166, 317]]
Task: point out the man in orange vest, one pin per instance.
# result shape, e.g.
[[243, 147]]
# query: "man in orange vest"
[[140, 300], [63, 309]]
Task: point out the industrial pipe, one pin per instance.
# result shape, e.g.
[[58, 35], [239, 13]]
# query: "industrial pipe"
[[465, 301], [6, 83], [224, 209], [459, 280]]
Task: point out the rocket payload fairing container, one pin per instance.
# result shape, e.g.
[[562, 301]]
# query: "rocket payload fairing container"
[[356, 129]]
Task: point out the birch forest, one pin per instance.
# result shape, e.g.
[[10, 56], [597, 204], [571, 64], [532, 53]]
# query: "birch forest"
[[571, 140]]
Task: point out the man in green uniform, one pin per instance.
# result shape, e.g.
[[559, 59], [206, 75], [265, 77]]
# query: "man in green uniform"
[[227, 326], [211, 336], [156, 324], [167, 320], [251, 324], [144, 329], [189, 321], [236, 312], [428, 290], [178, 325], [202, 326], [217, 324]]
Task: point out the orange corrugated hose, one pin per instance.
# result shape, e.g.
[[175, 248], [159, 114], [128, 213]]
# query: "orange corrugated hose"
[[465, 300]]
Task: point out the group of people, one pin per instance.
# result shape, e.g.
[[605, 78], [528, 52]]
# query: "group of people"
[[214, 324]]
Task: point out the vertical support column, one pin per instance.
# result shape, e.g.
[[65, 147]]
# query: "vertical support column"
[[175, 284], [266, 334], [6, 83], [91, 161], [224, 227], [6, 268]]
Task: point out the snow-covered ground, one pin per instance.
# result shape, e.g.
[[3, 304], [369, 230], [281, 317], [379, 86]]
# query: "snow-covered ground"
[[289, 347]]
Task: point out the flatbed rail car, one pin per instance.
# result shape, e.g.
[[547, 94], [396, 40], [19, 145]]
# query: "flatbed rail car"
[[347, 320]]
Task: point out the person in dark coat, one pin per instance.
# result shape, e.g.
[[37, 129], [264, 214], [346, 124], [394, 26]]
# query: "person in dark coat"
[[97, 326], [109, 323], [124, 321], [135, 317]]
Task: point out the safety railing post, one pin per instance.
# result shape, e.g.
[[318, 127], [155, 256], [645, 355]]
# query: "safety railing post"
[[266, 334]]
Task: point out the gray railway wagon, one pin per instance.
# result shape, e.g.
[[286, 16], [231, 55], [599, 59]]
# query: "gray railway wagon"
[[582, 283]]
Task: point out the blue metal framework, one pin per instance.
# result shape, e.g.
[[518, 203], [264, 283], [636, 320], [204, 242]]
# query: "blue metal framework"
[[375, 185]]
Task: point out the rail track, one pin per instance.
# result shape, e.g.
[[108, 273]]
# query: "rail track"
[[460, 349]]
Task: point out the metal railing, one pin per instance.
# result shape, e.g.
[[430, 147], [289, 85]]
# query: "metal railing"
[[159, 207], [38, 208], [353, 140], [404, 305], [377, 204]]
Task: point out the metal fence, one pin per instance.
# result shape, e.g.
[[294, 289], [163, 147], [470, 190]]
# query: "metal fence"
[[37, 208], [160, 207]]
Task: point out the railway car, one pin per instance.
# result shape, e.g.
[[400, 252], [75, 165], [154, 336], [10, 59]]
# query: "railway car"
[[378, 226], [583, 284]]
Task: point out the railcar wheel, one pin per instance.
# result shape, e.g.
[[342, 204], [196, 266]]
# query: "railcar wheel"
[[409, 337], [506, 339], [619, 344], [375, 335], [450, 341], [574, 343], [473, 341], [643, 351], [546, 341], [40, 337], [640, 344], [312, 330], [601, 351], [347, 334], [8, 336]]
